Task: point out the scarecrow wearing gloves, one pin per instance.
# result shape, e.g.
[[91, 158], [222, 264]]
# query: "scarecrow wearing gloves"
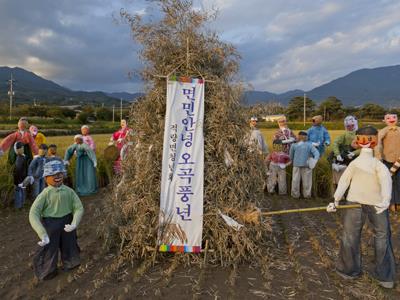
[[55, 215], [35, 171], [284, 134], [343, 152], [318, 135], [371, 186]]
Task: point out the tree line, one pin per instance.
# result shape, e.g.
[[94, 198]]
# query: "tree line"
[[331, 108]]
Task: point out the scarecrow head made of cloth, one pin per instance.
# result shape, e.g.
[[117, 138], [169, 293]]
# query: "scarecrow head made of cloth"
[[52, 149], [23, 124], [85, 130], [53, 173], [253, 122], [367, 137], [282, 122], [351, 123], [317, 120], [302, 136], [33, 130], [78, 139], [391, 120]]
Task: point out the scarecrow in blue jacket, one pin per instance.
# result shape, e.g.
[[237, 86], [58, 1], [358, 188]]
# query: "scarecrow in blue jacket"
[[35, 171], [318, 135]]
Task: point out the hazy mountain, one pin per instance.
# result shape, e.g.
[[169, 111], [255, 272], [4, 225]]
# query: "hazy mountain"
[[29, 86], [379, 85], [125, 96]]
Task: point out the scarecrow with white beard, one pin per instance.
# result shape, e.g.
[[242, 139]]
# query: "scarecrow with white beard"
[[343, 151]]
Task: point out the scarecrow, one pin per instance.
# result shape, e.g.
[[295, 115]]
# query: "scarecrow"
[[256, 139], [85, 170], [318, 135], [284, 134], [21, 135], [304, 157], [388, 150], [19, 172], [278, 161], [118, 138], [370, 185], [343, 151], [87, 139], [35, 171], [52, 153], [55, 215], [38, 136]]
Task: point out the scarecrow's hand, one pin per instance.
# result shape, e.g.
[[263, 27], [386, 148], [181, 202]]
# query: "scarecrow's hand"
[[45, 240], [69, 228], [315, 144], [339, 158], [331, 207], [66, 163], [351, 155], [380, 209]]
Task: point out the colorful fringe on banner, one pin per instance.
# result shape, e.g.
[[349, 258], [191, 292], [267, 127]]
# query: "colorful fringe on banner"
[[186, 79], [181, 249]]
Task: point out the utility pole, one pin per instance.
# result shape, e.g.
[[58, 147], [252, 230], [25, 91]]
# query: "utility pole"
[[113, 113], [11, 93], [121, 109], [304, 109]]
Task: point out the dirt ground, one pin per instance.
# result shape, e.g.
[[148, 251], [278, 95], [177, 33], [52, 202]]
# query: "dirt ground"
[[305, 249]]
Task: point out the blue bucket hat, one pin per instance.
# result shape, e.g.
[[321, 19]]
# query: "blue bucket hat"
[[53, 167]]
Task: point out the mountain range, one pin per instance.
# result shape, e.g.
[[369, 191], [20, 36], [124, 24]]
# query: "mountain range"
[[379, 85], [29, 86]]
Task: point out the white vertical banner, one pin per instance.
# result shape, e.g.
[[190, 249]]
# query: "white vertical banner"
[[182, 179]]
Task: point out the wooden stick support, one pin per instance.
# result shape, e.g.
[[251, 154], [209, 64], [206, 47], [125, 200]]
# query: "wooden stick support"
[[299, 210]]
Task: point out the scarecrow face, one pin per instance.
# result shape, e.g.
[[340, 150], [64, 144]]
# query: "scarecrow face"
[[20, 151], [302, 138], [367, 141], [123, 124], [22, 125], [33, 130], [78, 141], [282, 123], [351, 123], [55, 180], [85, 130], [42, 152], [52, 150], [391, 119], [317, 120], [253, 123]]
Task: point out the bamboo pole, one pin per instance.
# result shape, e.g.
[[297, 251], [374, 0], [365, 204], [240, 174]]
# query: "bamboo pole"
[[299, 210]]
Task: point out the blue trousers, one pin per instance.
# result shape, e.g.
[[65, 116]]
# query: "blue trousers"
[[19, 198], [349, 261], [38, 186]]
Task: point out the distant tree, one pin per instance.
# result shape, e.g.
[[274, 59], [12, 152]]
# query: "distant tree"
[[295, 109], [68, 113], [55, 112], [331, 108], [103, 114], [351, 110], [83, 117], [372, 111]]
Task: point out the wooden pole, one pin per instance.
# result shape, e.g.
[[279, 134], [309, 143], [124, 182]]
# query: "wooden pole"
[[299, 210]]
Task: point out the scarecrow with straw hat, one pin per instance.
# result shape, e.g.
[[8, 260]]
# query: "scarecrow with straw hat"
[[370, 185], [54, 215]]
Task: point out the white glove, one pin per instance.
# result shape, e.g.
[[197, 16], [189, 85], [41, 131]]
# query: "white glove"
[[21, 185], [315, 144], [37, 155], [379, 209], [339, 158], [31, 179], [120, 140], [288, 141], [69, 228], [111, 143], [66, 163], [45, 240], [351, 155], [331, 207], [95, 165]]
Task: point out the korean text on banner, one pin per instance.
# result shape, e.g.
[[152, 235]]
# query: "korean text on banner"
[[181, 199]]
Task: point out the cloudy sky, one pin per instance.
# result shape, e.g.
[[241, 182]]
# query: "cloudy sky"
[[291, 44]]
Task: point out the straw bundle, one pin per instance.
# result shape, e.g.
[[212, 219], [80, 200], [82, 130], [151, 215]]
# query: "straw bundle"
[[180, 43]]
